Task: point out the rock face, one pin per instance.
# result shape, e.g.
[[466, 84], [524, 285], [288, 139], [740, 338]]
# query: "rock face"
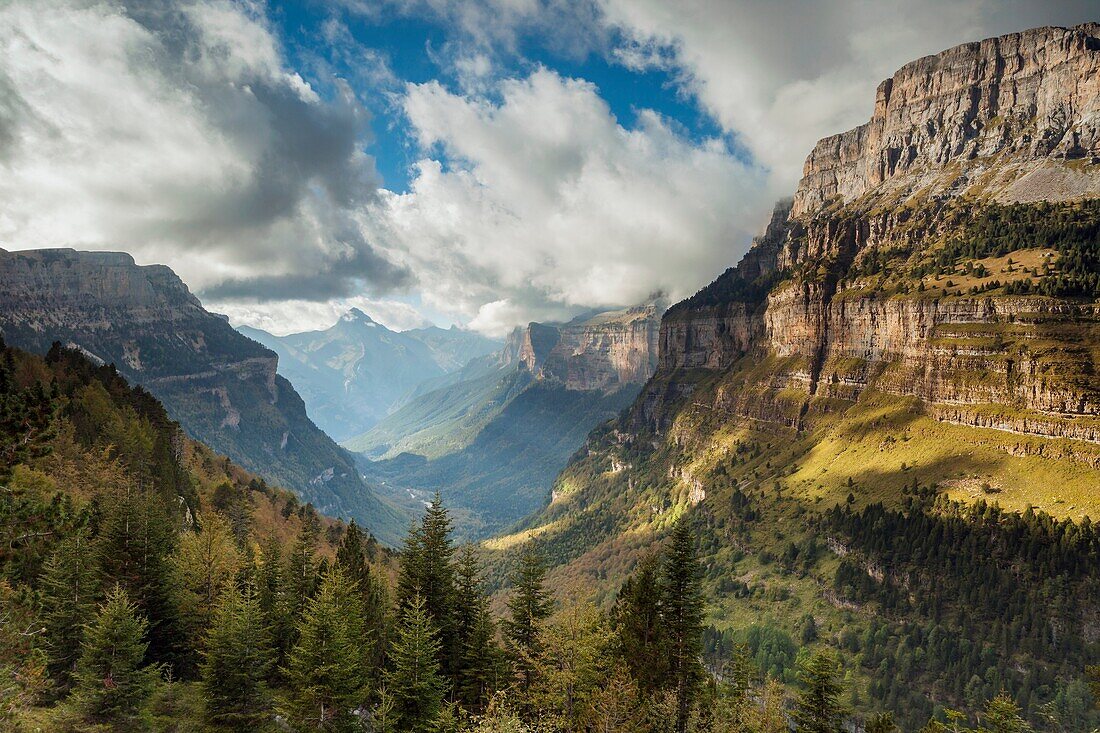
[[1010, 119], [598, 353], [1031, 96], [222, 387], [492, 441]]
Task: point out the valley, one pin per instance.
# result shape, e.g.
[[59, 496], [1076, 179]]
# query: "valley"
[[850, 485]]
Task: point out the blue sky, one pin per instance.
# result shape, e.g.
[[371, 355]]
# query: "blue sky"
[[475, 162], [412, 48]]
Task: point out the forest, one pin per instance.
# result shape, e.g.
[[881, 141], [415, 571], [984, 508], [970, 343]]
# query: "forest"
[[148, 584]]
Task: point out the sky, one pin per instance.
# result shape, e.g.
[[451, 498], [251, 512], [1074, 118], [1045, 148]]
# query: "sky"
[[482, 163]]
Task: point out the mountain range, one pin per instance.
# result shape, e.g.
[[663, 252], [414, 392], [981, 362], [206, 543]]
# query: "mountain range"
[[491, 437], [358, 371]]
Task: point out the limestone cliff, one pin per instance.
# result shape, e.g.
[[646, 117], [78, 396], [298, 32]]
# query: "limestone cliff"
[[221, 387], [875, 275], [594, 353], [1031, 97]]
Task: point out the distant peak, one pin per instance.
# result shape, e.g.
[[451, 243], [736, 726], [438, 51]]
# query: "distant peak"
[[355, 315]]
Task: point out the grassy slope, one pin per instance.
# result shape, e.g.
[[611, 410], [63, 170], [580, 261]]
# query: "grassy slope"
[[616, 502], [446, 419]]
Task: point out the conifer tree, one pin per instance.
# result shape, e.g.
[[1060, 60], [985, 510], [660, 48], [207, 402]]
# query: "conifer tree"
[[325, 674], [352, 559], [682, 617], [203, 565], [112, 679], [415, 681], [237, 660], [819, 708], [1002, 715], [132, 546], [636, 618], [528, 608], [478, 656], [273, 601], [70, 586], [302, 568], [427, 570]]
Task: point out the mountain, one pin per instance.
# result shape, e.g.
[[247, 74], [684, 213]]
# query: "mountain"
[[358, 371], [491, 437], [220, 386], [884, 422]]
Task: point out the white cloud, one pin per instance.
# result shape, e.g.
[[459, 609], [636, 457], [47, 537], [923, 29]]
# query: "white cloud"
[[174, 131], [780, 76], [545, 204]]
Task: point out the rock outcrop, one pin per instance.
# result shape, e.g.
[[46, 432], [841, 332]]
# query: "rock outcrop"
[[603, 352], [1009, 119], [221, 386], [1032, 97]]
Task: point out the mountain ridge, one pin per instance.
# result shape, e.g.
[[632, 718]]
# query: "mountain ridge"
[[491, 441], [221, 386], [894, 341], [357, 371]]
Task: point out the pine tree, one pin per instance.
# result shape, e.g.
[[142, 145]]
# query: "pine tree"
[[203, 565], [274, 604], [1002, 715], [112, 681], [636, 619], [325, 672], [682, 616], [415, 681], [133, 545], [352, 559], [70, 586], [528, 607], [427, 570], [237, 661], [819, 708], [477, 657], [302, 568]]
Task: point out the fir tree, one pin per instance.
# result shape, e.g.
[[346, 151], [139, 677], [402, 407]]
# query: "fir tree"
[[352, 559], [70, 586], [477, 657], [237, 661], [272, 599], [133, 545], [302, 568], [819, 708], [528, 608], [682, 617], [112, 680], [636, 619], [415, 681], [325, 674], [1002, 715], [427, 570], [203, 565]]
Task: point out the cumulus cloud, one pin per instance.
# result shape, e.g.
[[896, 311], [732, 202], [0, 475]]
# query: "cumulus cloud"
[[537, 203], [173, 130], [780, 76], [177, 130]]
